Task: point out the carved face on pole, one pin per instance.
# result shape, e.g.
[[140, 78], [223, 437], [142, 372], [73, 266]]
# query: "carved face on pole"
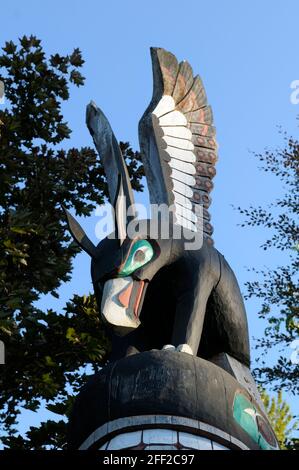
[[122, 295]]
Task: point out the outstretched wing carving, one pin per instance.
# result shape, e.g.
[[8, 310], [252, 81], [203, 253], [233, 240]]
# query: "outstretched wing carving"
[[177, 141]]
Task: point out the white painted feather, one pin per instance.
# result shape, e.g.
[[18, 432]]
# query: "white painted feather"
[[165, 105], [186, 213], [182, 166], [178, 143], [183, 177], [180, 132], [182, 189], [185, 155], [180, 149], [186, 223], [174, 118], [182, 200]]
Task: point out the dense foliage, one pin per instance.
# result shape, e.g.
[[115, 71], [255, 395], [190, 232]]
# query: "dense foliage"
[[277, 288], [46, 351], [281, 418]]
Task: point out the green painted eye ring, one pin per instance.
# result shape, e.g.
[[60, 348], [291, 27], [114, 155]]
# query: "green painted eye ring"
[[141, 253]]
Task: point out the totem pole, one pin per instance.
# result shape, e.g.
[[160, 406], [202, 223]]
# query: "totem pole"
[[178, 376]]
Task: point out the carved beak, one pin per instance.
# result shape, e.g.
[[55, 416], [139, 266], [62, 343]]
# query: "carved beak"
[[121, 303]]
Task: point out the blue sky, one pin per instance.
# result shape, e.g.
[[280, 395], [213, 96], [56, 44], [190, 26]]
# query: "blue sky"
[[247, 55]]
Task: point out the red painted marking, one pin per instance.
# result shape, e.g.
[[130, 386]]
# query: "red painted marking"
[[205, 130], [138, 298], [124, 296]]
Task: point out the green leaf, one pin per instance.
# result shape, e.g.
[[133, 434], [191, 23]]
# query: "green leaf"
[[71, 335], [20, 230], [10, 47]]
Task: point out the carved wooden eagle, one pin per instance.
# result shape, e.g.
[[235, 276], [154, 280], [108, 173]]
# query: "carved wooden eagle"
[[154, 291]]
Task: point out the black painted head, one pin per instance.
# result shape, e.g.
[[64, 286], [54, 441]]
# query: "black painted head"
[[122, 266]]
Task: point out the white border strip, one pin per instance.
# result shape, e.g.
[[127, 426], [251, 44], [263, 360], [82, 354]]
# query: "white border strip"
[[122, 424]]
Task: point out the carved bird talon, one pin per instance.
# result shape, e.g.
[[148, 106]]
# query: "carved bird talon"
[[169, 347], [185, 348]]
